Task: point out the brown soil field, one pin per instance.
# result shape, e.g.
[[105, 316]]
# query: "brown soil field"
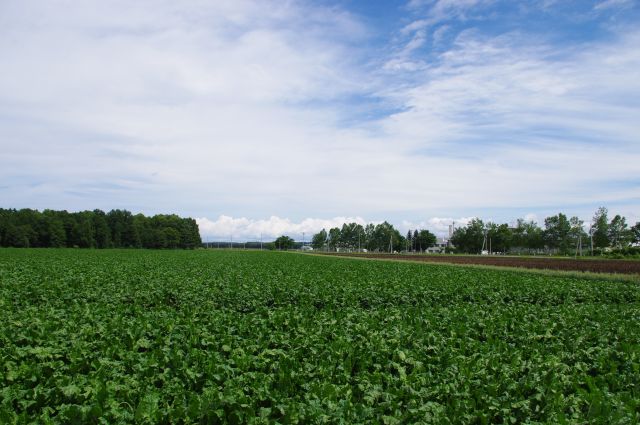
[[586, 265]]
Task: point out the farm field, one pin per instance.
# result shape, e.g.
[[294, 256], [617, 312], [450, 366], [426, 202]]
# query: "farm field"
[[136, 336], [542, 263]]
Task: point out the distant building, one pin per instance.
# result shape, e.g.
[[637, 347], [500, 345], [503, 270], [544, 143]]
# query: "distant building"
[[439, 247]]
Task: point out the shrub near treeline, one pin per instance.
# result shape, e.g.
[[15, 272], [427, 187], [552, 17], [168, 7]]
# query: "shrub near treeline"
[[95, 229]]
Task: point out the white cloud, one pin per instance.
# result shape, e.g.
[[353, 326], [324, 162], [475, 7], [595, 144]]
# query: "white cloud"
[[239, 108], [226, 227], [439, 10], [241, 228], [439, 33], [522, 126], [200, 99], [608, 4], [437, 225]]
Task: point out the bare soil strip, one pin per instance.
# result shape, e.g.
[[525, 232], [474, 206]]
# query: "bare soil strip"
[[588, 265]]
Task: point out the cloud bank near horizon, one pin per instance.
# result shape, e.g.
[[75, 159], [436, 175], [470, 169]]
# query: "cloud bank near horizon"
[[225, 228]]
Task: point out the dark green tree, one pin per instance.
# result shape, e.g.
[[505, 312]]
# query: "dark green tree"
[[600, 228], [82, 232], [172, 237], [556, 233], [619, 233], [384, 238], [469, 238], [157, 238], [527, 236], [319, 240], [102, 234], [17, 236], [284, 243], [349, 235], [189, 234], [124, 233], [57, 238], [577, 235], [499, 237], [424, 239], [635, 233], [334, 238], [368, 235], [88, 229]]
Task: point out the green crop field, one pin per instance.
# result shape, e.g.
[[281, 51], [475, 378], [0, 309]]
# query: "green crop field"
[[263, 337]]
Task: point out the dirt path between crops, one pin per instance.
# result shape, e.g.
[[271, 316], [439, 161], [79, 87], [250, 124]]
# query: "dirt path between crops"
[[596, 266]]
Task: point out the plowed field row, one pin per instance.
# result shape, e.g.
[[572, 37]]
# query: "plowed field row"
[[596, 266]]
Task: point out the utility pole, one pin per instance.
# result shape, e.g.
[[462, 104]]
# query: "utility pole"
[[391, 244], [302, 240], [579, 246], [484, 242], [260, 241]]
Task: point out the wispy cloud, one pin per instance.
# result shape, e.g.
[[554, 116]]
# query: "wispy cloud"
[[522, 115], [433, 12], [607, 4]]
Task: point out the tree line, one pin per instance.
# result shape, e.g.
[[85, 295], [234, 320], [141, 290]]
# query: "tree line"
[[96, 229], [381, 237], [560, 235]]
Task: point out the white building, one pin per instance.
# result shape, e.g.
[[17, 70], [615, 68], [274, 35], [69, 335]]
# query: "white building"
[[439, 247]]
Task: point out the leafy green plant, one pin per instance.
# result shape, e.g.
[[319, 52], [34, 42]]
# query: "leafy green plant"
[[126, 336]]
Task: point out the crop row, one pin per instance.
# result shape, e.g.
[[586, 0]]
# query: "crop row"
[[233, 337]]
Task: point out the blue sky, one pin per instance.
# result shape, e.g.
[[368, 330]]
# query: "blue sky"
[[284, 117]]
